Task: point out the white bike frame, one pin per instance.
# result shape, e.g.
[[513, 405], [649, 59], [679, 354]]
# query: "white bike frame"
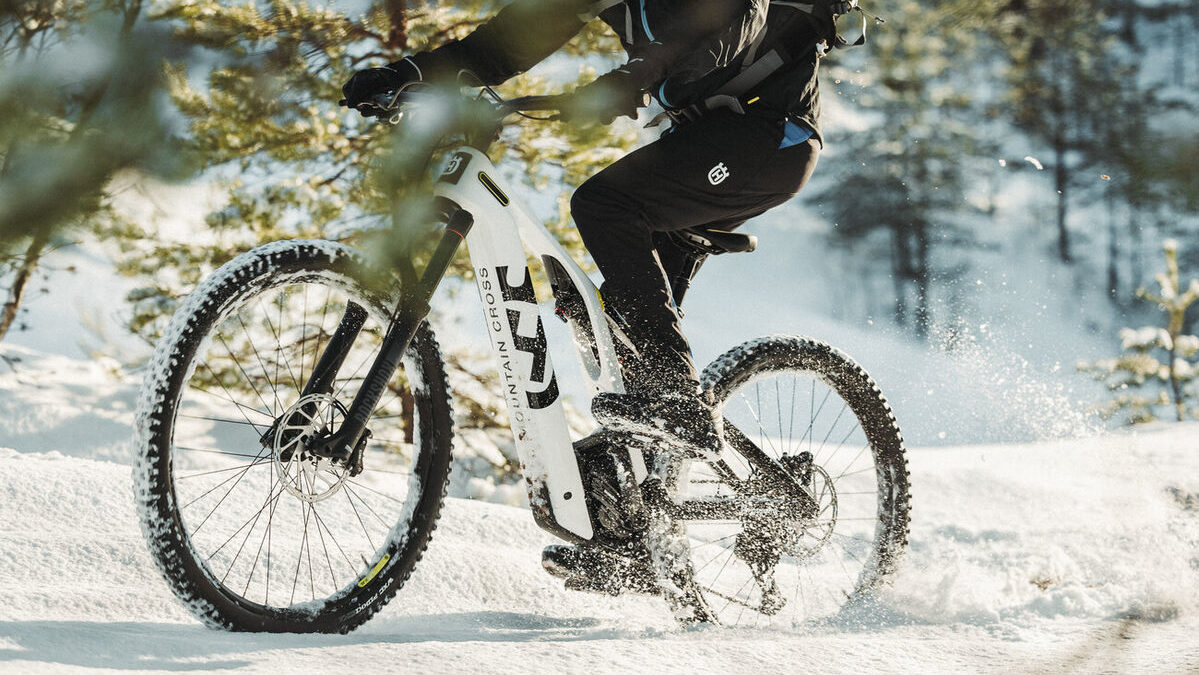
[[497, 246]]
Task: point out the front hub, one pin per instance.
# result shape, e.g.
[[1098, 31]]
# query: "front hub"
[[303, 473]]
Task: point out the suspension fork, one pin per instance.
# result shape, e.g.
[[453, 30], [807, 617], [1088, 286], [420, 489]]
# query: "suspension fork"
[[411, 309]]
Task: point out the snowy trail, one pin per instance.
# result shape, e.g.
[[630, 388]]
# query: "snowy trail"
[[1024, 558], [1068, 556]]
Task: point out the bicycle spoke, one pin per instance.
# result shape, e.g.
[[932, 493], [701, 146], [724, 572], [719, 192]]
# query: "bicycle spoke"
[[778, 407], [270, 523], [815, 414], [714, 558], [242, 370], [252, 519], [328, 560], [217, 419], [186, 448], [258, 357], [295, 581], [791, 423], [252, 522], [241, 407], [763, 435], [844, 407], [304, 338], [374, 513], [231, 468], [371, 489], [321, 523], [854, 460], [357, 515], [225, 496], [286, 361]]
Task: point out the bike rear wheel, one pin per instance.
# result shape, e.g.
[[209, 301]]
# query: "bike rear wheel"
[[804, 408], [251, 532]]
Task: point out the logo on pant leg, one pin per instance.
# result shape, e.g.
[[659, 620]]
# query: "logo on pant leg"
[[718, 173]]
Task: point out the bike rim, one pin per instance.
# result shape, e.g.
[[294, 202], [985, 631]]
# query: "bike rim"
[[277, 531], [822, 562]]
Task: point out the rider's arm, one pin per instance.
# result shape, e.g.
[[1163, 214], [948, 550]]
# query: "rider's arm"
[[523, 34]]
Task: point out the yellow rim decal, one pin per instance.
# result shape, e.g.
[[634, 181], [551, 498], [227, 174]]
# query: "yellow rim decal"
[[374, 571]]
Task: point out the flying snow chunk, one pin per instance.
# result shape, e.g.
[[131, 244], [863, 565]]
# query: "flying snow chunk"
[[1035, 162]]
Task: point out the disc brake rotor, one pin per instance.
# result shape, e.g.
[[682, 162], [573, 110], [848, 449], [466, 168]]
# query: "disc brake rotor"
[[303, 474], [816, 533]]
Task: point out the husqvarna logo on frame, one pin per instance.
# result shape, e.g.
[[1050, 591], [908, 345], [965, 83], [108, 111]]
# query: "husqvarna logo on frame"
[[718, 173], [454, 168]]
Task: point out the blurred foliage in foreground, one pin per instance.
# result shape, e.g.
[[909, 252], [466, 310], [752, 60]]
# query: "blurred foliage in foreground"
[[264, 122], [80, 101]]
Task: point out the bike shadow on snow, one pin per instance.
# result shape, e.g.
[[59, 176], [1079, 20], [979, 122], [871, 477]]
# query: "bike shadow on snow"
[[191, 646], [183, 647]]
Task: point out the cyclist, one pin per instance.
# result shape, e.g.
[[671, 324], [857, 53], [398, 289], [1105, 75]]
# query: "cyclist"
[[716, 166]]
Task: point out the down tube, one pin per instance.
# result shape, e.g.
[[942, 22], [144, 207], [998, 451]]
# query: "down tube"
[[518, 340]]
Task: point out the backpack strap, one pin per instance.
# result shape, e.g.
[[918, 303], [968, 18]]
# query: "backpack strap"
[[755, 70]]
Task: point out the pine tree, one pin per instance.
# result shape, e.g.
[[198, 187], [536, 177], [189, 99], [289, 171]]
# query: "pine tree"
[[1162, 360], [901, 184], [1060, 68]]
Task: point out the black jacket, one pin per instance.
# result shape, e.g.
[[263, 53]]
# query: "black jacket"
[[676, 48]]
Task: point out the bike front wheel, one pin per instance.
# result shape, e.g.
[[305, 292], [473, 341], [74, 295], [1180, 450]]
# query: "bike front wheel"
[[807, 508], [252, 533]]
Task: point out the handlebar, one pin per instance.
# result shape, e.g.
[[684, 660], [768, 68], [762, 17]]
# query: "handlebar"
[[537, 103], [381, 104]]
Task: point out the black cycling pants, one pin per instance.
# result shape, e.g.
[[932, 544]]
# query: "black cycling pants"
[[718, 171]]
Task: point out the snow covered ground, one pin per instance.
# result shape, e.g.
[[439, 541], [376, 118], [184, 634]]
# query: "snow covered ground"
[[1077, 555]]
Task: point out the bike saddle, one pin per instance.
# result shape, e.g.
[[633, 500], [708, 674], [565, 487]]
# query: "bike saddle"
[[714, 241]]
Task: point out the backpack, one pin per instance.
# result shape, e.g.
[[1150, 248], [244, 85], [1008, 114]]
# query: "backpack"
[[795, 32]]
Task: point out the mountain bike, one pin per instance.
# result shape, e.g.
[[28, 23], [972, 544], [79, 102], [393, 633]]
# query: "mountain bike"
[[295, 428]]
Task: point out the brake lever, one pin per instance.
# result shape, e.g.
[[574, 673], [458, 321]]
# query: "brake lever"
[[378, 106]]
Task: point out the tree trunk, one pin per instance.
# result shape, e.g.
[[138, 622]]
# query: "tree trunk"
[[1060, 179], [29, 260], [1134, 246], [1180, 44], [1113, 250], [923, 278], [1175, 385], [899, 264], [397, 36]]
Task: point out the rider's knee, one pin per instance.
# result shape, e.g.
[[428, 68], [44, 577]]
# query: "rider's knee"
[[596, 201]]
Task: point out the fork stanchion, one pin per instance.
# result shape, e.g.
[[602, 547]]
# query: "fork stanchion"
[[410, 311]]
